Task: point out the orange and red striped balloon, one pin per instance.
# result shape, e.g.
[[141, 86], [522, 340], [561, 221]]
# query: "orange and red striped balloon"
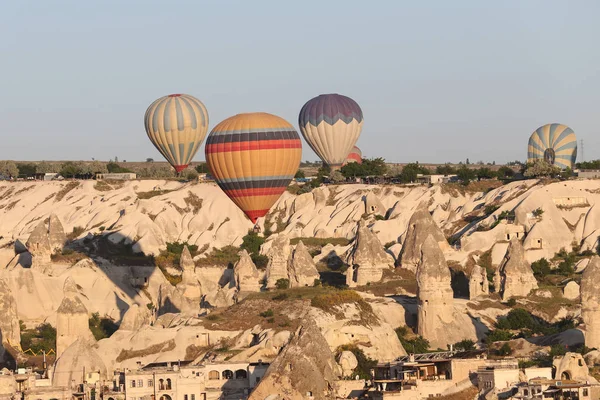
[[253, 157]]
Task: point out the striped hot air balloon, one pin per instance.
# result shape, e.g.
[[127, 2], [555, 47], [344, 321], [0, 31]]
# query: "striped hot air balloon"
[[555, 143], [354, 156], [253, 157], [177, 124], [331, 125]]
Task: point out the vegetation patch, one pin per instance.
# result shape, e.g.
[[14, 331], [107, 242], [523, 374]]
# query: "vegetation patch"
[[320, 242], [169, 345], [412, 342], [102, 327], [225, 257], [65, 190], [151, 194], [76, 232], [41, 338], [365, 364], [193, 201], [67, 256]]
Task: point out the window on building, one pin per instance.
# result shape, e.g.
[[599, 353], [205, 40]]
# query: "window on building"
[[227, 374], [213, 375], [585, 392], [161, 384], [150, 383], [525, 392], [193, 397], [132, 384], [185, 397], [168, 384], [140, 383]]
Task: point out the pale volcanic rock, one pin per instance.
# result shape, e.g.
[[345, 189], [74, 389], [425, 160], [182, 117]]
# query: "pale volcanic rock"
[[71, 319], [301, 268], [434, 294], [516, 274], [571, 290], [478, 282], [10, 331], [420, 226], [279, 254], [373, 205], [348, 362], [39, 243], [590, 302], [81, 355], [189, 285], [135, 318], [305, 365], [246, 275], [56, 234], [572, 366], [367, 258]]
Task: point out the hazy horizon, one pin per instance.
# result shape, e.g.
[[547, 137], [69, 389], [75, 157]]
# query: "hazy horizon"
[[437, 82]]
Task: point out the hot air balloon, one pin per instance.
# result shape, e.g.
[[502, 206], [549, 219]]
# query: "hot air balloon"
[[176, 125], [253, 157], [354, 156], [555, 143], [331, 125]]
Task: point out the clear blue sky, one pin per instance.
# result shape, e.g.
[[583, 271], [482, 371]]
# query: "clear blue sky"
[[437, 80]]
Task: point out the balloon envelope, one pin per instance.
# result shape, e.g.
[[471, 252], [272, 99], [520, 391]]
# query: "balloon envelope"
[[177, 124], [555, 143], [354, 156], [331, 125], [253, 157]]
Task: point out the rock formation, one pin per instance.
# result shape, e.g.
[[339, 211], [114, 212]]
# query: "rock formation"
[[56, 234], [571, 290], [373, 205], [279, 254], [135, 317], [80, 356], [516, 274], [434, 294], [246, 275], [590, 302], [189, 286], [572, 366], [301, 268], [10, 331], [367, 258], [71, 319], [420, 226], [348, 362], [478, 283], [39, 243], [305, 367]]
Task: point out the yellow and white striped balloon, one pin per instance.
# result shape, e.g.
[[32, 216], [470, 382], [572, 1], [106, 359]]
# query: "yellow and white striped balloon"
[[555, 143], [177, 124]]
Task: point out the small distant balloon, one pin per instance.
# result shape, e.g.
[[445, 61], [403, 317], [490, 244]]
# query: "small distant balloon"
[[354, 156], [331, 125], [176, 125], [253, 157]]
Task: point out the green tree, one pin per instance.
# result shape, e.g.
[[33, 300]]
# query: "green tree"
[[300, 174], [70, 169], [97, 167], [336, 177], [252, 242], [368, 167], [282, 283], [202, 168], [594, 164], [45, 167], [541, 168], [446, 169], [485, 173], [26, 169], [9, 168], [541, 267], [410, 171], [465, 345], [465, 175], [506, 172]]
